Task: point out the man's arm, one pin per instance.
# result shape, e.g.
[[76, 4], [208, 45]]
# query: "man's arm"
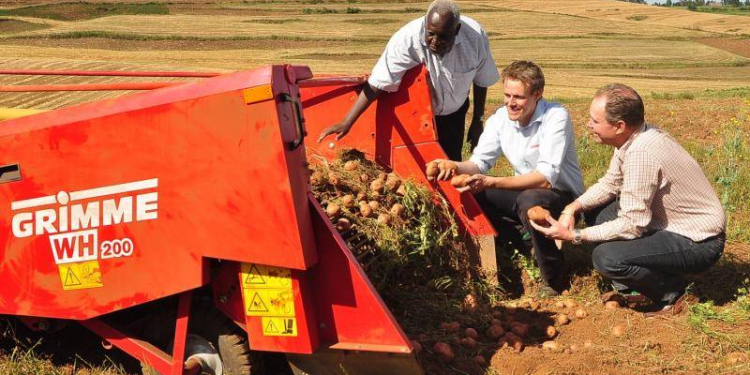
[[366, 97], [477, 122]]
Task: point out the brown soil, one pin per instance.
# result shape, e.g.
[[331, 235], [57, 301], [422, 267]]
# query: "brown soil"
[[587, 346], [10, 26], [167, 45], [737, 46]]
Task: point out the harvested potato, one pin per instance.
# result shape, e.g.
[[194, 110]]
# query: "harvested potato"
[[468, 342], [444, 351], [384, 219], [392, 182], [361, 196], [377, 186], [432, 170], [520, 329], [538, 215], [364, 177], [364, 209], [495, 331], [569, 303], [551, 346], [479, 360], [351, 165], [551, 332], [397, 209], [471, 332], [333, 210], [333, 179], [618, 331], [581, 313], [343, 224], [562, 319], [347, 201], [611, 305], [374, 205]]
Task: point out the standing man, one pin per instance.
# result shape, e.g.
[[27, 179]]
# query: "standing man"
[[658, 216], [457, 54], [536, 137]]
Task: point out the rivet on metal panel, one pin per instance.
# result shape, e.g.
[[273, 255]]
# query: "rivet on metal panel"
[[223, 299], [323, 326], [257, 94]]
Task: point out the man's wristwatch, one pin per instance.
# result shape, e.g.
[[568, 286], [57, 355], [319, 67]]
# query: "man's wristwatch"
[[576, 236]]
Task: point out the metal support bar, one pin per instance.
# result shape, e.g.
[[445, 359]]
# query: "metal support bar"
[[180, 333], [42, 72], [90, 87]]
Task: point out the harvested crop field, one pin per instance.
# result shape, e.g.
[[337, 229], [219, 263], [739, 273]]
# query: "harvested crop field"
[[692, 69]]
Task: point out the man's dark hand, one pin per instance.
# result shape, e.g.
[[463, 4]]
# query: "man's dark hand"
[[340, 128], [475, 131]]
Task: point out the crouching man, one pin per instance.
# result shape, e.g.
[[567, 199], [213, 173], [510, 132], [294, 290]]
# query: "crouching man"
[[536, 137], [656, 215]]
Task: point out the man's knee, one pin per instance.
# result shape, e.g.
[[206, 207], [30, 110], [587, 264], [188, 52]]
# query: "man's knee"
[[529, 198], [606, 261]]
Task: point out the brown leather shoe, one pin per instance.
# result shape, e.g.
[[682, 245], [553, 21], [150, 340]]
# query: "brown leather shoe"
[[624, 299], [677, 308]]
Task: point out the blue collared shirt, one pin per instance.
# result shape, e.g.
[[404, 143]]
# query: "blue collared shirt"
[[546, 145]]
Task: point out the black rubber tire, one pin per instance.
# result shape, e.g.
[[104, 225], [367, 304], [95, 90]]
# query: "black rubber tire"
[[208, 322]]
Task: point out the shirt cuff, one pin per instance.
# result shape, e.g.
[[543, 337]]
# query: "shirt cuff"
[[383, 85], [549, 172]]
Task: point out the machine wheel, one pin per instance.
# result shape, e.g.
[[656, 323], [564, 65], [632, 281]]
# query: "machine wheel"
[[208, 324]]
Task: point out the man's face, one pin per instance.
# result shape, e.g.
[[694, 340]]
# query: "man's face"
[[603, 131], [520, 101], [440, 33]]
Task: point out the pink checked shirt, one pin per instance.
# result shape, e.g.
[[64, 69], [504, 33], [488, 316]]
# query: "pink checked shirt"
[[661, 187]]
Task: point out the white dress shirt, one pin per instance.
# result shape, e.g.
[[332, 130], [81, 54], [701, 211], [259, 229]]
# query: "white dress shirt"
[[469, 61], [545, 145]]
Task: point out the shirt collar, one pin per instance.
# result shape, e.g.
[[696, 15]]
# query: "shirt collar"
[[632, 137], [541, 108]]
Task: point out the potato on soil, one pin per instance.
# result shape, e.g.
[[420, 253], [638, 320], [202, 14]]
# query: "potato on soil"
[[569, 303], [347, 201], [377, 186], [468, 342], [560, 304], [581, 313], [520, 329], [495, 331], [460, 180], [374, 205], [365, 210], [471, 332], [364, 177], [551, 332], [392, 182], [444, 351], [611, 305], [343, 225], [333, 210], [361, 196], [384, 219], [538, 215], [618, 331], [736, 357], [551, 346], [333, 179], [351, 165], [417, 346], [562, 319], [396, 210]]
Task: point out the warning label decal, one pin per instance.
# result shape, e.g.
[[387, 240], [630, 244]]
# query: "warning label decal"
[[258, 276], [83, 275], [279, 326], [269, 302]]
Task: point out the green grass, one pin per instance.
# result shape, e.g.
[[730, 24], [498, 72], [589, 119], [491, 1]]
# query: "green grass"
[[85, 10], [737, 11]]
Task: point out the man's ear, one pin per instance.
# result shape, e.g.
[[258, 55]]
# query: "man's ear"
[[621, 127]]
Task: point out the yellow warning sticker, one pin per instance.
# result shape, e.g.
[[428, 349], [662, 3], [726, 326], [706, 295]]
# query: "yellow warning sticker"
[[257, 276], [279, 326], [83, 275], [269, 302]]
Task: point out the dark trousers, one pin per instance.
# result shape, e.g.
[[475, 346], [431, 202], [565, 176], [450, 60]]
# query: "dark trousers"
[[450, 129], [656, 264], [508, 208]]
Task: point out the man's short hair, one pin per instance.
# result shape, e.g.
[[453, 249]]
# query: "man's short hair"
[[527, 72], [623, 103], [445, 7]]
